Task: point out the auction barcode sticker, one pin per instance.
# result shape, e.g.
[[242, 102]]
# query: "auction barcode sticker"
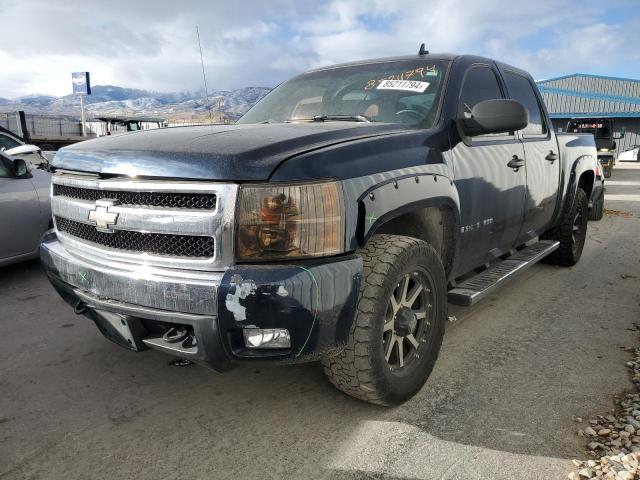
[[408, 85]]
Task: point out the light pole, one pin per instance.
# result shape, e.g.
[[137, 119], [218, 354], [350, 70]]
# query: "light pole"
[[84, 127], [81, 86]]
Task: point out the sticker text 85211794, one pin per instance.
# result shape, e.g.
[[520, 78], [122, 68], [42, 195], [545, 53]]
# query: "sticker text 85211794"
[[408, 85]]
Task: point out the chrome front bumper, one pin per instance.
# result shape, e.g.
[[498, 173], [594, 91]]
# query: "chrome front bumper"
[[177, 291], [136, 305], [133, 305]]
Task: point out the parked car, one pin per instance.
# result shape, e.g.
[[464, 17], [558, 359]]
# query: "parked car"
[[13, 145], [332, 223], [631, 155], [25, 209]]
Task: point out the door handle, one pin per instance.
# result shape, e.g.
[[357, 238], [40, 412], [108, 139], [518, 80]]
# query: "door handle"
[[516, 163], [552, 157]]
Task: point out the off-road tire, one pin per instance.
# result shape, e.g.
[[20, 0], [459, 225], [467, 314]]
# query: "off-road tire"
[[597, 209], [571, 245], [361, 369]]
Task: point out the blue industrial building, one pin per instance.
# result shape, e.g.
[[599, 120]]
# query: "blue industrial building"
[[593, 96]]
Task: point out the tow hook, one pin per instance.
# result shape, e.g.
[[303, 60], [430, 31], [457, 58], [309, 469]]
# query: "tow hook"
[[175, 334], [80, 308]]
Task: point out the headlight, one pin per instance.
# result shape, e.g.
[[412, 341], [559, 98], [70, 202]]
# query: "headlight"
[[289, 221], [603, 150]]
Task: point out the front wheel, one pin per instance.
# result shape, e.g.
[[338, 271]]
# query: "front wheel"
[[399, 324]]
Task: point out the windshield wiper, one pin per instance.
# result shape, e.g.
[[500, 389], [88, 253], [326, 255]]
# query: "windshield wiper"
[[341, 118]]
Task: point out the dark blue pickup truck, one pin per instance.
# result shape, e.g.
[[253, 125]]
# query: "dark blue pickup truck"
[[334, 222]]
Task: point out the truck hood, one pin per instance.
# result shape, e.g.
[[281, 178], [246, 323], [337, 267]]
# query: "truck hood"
[[214, 152]]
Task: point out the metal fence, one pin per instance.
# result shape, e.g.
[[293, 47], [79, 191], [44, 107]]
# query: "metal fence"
[[63, 126], [43, 125]]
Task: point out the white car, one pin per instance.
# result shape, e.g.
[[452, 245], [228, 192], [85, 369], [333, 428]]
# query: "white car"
[[632, 155]]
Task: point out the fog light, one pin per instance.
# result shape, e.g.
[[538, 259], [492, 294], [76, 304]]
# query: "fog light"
[[266, 338]]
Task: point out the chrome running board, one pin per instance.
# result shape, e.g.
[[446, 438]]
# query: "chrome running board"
[[476, 288]]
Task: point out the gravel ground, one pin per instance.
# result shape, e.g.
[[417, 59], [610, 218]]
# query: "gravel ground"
[[513, 374], [614, 439]]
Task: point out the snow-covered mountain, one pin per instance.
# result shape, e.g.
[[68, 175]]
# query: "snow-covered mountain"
[[114, 100]]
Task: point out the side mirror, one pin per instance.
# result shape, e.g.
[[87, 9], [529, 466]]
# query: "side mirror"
[[495, 116], [20, 168]]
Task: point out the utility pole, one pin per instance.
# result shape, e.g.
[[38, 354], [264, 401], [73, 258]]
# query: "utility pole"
[[204, 77]]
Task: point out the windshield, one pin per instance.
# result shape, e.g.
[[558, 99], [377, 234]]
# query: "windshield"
[[404, 92]]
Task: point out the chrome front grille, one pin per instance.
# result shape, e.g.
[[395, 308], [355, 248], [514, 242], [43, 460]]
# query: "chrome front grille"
[[176, 224], [154, 243], [204, 201]]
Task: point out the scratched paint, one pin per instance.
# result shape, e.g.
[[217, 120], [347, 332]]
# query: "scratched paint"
[[282, 291], [291, 296], [243, 289]]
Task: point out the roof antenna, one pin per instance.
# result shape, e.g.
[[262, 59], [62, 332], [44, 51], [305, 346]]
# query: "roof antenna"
[[423, 50]]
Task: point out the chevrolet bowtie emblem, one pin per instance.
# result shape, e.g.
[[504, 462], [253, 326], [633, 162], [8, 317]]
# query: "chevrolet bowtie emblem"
[[102, 217]]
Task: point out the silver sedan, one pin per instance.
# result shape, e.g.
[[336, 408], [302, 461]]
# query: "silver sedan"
[[25, 208]]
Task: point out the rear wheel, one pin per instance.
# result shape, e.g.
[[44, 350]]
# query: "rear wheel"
[[399, 323], [597, 209], [607, 169], [571, 233]]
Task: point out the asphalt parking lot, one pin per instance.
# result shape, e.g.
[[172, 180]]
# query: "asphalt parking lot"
[[513, 372]]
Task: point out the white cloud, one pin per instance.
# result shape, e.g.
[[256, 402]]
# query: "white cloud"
[[152, 45]]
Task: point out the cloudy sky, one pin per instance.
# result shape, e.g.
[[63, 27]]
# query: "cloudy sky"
[[152, 44]]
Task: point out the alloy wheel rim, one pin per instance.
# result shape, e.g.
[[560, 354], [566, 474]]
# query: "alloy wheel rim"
[[576, 232], [407, 320]]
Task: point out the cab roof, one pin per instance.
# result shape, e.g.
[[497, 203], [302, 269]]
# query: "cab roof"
[[402, 58], [431, 56]]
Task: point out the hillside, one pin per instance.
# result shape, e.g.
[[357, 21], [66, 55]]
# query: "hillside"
[[114, 100]]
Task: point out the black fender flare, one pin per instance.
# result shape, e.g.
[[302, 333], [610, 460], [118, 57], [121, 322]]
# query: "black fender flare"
[[394, 197], [581, 165]]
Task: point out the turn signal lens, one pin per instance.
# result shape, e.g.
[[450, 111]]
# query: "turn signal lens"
[[289, 221]]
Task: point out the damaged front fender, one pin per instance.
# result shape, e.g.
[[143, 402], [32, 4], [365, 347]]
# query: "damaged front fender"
[[314, 301]]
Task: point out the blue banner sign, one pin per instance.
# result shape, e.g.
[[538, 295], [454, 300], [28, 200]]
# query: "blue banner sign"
[[81, 83]]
